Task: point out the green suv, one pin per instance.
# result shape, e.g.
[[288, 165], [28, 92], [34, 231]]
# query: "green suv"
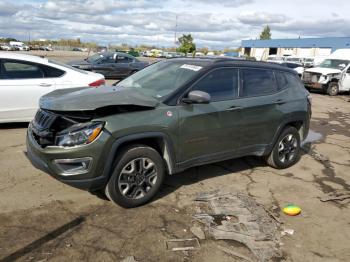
[[168, 117]]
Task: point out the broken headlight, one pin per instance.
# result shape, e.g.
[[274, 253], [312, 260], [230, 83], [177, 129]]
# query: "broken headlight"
[[79, 134]]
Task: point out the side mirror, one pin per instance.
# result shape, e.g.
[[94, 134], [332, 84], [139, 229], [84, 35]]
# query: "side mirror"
[[115, 57], [197, 97]]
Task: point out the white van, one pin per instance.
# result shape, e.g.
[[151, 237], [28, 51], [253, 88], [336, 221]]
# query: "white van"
[[332, 75]]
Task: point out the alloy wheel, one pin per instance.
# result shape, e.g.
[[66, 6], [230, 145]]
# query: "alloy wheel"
[[287, 148], [137, 178]]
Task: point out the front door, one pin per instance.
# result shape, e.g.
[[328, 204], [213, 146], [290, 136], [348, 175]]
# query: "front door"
[[209, 130]]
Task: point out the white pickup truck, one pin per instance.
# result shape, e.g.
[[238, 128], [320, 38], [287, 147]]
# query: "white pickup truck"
[[332, 75]]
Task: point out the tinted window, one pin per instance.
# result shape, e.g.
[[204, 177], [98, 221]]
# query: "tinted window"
[[123, 59], [52, 72], [287, 80], [257, 82], [221, 84], [20, 70], [107, 59]]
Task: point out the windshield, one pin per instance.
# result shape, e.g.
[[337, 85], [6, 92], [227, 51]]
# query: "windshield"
[[94, 58], [162, 78], [334, 63]]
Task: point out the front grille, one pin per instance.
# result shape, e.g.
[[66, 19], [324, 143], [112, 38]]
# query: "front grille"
[[47, 124], [43, 120], [311, 77], [42, 127]]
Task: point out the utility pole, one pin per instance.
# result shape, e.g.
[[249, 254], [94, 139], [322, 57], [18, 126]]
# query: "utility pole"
[[175, 38]]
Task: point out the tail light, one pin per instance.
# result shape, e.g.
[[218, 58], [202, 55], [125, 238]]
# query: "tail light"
[[98, 83]]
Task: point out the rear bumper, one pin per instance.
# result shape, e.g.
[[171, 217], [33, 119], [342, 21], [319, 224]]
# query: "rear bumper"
[[92, 180]]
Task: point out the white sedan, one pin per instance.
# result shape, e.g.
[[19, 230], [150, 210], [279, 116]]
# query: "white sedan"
[[25, 78]]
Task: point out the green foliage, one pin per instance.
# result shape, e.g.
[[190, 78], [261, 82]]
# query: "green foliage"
[[266, 33], [7, 40], [186, 44]]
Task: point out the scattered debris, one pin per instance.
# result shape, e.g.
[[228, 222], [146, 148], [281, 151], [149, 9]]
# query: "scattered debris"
[[287, 231], [198, 232], [238, 217], [336, 196], [292, 210], [182, 244], [129, 259], [233, 253]]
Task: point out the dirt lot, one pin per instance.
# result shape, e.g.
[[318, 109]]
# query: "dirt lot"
[[44, 220]]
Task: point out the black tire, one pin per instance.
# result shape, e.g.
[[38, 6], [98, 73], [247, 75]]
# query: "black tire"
[[333, 89], [291, 149], [132, 183]]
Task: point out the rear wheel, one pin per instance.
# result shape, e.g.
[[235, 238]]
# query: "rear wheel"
[[286, 151], [333, 89], [137, 176]]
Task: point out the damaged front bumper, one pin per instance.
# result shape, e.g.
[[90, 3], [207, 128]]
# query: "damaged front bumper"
[[80, 166]]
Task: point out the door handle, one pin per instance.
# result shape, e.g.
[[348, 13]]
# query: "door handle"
[[280, 102], [45, 85], [234, 108]]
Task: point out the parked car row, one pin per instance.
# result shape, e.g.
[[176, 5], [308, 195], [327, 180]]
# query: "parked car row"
[[7, 47], [161, 54], [302, 61]]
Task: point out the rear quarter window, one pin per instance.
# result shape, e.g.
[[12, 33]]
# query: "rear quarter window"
[[52, 71], [257, 82], [287, 80]]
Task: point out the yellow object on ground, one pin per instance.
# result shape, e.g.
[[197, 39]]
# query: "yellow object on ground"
[[292, 210]]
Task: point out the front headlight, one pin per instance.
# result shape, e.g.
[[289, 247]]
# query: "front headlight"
[[79, 134]]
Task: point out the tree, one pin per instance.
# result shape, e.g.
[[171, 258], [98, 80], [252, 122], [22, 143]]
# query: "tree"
[[186, 44], [266, 33]]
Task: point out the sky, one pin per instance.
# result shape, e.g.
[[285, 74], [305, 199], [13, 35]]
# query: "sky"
[[213, 24]]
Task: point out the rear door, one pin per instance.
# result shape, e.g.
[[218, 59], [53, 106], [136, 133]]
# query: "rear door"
[[211, 129], [261, 107], [123, 66], [105, 66], [21, 85]]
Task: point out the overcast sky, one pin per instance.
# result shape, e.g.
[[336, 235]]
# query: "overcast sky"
[[214, 24]]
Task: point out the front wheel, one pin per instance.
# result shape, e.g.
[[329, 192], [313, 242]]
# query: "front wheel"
[[333, 89], [137, 176], [286, 151]]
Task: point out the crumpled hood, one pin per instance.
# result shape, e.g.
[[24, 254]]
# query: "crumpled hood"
[[87, 98], [323, 71]]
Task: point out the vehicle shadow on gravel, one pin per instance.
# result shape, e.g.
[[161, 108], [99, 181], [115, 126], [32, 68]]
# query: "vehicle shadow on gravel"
[[198, 174]]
